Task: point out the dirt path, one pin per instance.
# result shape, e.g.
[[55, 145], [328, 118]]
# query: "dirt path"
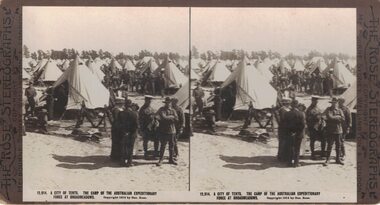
[[229, 163], [59, 163]]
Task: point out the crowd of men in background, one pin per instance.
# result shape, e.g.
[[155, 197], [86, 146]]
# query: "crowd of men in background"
[[135, 81], [162, 127], [314, 83]]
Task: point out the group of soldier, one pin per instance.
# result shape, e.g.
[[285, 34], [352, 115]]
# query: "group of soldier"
[[314, 83], [331, 126], [135, 81], [162, 127]]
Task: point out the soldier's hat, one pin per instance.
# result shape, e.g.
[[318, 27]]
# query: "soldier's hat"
[[286, 100], [333, 100], [294, 103], [314, 97], [167, 99], [342, 100], [128, 103], [148, 97], [174, 99]]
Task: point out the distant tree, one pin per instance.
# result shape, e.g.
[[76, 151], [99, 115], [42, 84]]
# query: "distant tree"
[[26, 51]]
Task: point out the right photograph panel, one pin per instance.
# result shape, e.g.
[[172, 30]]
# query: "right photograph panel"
[[274, 101]]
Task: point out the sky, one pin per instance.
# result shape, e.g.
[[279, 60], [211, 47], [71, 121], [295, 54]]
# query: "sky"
[[113, 29], [285, 30]]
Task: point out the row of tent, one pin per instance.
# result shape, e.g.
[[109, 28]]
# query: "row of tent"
[[251, 85], [218, 71], [47, 70], [84, 81]]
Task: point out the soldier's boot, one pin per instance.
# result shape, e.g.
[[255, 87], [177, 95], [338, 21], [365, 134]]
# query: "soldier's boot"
[[171, 158], [343, 152], [338, 158], [156, 151], [327, 161], [162, 151], [145, 146], [312, 150]]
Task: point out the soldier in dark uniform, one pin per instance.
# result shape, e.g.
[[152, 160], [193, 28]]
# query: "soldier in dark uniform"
[[198, 94], [166, 129], [129, 122], [161, 84], [179, 125], [346, 125], [218, 104], [314, 123], [330, 83], [294, 126], [334, 120], [116, 132], [147, 121], [318, 84], [281, 128], [30, 93]]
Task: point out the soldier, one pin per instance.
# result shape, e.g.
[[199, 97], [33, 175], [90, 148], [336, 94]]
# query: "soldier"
[[129, 122], [318, 84], [30, 93], [334, 120], [330, 83], [346, 125], [249, 116], [198, 94], [294, 125], [116, 132], [217, 104], [314, 123], [179, 125], [148, 125], [167, 118], [281, 128]]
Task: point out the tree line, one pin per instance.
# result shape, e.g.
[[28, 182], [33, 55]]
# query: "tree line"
[[236, 54], [70, 53]]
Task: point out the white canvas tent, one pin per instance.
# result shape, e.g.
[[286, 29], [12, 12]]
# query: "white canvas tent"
[[183, 95], [342, 76], [251, 86], [298, 66], [350, 96], [48, 73], [264, 68], [217, 73], [84, 86], [95, 68], [129, 65], [173, 76]]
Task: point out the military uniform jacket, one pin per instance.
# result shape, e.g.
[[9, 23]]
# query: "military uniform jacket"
[[198, 93], [30, 92], [167, 118], [128, 120], [181, 117], [334, 120], [294, 121], [313, 117], [347, 117], [146, 116]]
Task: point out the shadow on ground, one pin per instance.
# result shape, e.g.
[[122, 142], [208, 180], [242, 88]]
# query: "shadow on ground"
[[259, 162], [93, 162]]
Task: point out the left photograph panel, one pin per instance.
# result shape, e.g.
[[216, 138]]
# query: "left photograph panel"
[[105, 100]]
